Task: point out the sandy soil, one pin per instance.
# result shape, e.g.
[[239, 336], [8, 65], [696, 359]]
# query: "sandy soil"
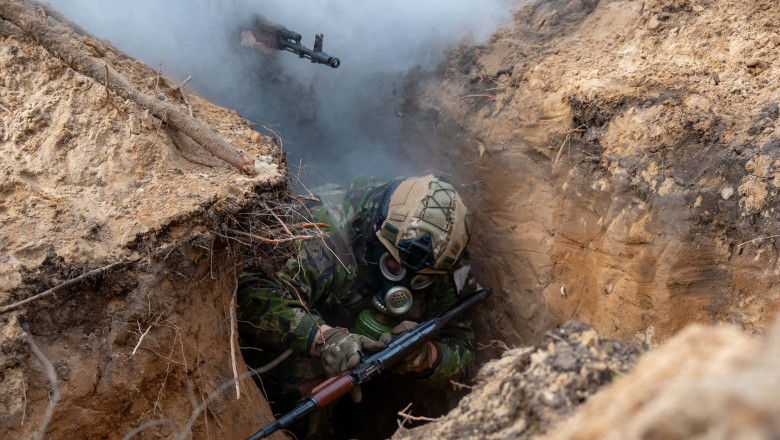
[[622, 160], [529, 389], [81, 187], [713, 383]]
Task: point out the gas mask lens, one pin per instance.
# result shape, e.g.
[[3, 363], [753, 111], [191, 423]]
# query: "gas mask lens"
[[390, 268], [421, 281]]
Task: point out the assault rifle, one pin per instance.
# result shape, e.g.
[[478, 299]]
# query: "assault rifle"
[[278, 37], [397, 349]]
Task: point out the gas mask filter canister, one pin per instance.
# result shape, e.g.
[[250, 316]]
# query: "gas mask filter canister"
[[396, 299]]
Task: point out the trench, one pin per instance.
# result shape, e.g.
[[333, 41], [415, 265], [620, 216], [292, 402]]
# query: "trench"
[[567, 226]]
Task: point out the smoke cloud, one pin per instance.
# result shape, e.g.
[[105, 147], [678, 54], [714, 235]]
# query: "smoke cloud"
[[339, 122]]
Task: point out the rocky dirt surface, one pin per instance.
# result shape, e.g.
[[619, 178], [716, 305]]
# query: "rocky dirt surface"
[[528, 389], [622, 161], [705, 383], [82, 185]]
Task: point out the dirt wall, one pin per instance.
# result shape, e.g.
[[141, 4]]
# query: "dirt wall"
[[90, 178], [620, 159]]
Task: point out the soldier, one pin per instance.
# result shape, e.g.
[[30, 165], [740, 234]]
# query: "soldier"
[[390, 259]]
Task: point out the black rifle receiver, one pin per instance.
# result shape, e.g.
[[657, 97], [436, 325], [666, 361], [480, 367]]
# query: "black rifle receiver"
[[370, 366], [291, 41]]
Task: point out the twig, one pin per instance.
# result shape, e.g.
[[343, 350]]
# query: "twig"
[[6, 109], [24, 396], [271, 240], [157, 83], [51, 375], [309, 225], [184, 96], [278, 360], [410, 418], [580, 129], [152, 424], [300, 300], [140, 339], [459, 386], [277, 219], [759, 238], [307, 198], [500, 344], [477, 96], [61, 286], [557, 156], [121, 113], [233, 330]]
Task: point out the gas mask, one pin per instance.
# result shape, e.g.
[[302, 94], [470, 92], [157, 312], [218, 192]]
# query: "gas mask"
[[396, 297], [393, 299]]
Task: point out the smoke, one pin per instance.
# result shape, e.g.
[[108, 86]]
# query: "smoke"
[[339, 122]]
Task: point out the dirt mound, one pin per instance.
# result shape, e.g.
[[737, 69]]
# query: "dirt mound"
[[705, 382], [84, 183], [713, 383], [623, 163], [529, 389]]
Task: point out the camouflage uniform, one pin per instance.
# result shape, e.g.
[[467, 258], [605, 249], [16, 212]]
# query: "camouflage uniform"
[[336, 282]]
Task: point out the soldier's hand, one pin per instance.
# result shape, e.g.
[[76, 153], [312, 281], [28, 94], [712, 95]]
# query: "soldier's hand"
[[417, 361], [339, 349], [397, 330]]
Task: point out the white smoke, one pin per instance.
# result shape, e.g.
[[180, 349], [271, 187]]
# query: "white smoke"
[[339, 121]]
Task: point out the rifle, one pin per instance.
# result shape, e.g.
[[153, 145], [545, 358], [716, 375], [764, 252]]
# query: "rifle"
[[397, 349], [281, 38]]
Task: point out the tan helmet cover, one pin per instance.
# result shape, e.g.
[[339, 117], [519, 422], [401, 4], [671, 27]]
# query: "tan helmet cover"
[[427, 205]]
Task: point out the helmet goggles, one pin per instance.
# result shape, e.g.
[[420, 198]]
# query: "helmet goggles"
[[416, 253]]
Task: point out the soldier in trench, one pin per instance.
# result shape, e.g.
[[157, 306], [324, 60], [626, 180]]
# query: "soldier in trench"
[[391, 258]]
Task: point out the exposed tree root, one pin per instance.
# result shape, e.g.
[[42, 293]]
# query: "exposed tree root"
[[49, 33], [51, 375], [61, 286]]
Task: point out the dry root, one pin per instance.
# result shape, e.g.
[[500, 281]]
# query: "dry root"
[[61, 286], [408, 417]]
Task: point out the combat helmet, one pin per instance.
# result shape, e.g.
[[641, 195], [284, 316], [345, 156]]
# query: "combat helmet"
[[424, 224]]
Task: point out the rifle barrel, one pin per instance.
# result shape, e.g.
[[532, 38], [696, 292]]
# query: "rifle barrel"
[[305, 407], [304, 52]]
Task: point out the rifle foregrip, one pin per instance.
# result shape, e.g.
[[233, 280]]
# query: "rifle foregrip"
[[331, 389]]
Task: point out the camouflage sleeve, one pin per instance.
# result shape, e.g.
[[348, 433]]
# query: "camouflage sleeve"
[[279, 314], [455, 343]]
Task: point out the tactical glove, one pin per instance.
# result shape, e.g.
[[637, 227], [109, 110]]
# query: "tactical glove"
[[415, 361], [339, 351]]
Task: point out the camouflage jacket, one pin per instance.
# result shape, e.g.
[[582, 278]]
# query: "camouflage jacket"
[[335, 282]]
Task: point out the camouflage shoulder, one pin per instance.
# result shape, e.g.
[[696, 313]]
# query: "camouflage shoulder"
[[358, 192]]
